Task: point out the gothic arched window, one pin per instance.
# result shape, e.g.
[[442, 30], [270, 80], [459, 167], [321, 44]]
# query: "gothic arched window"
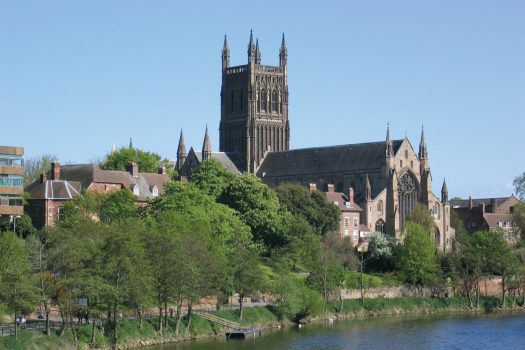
[[258, 99], [264, 100], [380, 207], [275, 101], [437, 236], [408, 192], [436, 211], [380, 226]]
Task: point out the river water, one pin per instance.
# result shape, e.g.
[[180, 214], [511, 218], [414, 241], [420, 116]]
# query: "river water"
[[489, 331]]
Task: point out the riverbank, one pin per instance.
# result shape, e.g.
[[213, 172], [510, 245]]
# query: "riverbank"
[[131, 335]]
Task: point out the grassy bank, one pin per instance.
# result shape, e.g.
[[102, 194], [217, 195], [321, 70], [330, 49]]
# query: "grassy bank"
[[416, 305], [131, 335]]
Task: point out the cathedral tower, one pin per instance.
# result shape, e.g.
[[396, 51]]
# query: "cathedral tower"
[[254, 106]]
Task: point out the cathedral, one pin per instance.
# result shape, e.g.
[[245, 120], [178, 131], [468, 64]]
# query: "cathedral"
[[387, 178]]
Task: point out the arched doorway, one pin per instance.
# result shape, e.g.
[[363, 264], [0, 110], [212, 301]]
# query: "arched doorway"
[[437, 236], [408, 194]]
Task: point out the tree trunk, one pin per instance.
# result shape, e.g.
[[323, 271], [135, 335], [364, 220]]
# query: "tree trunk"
[[140, 311], [178, 316], [165, 314], [503, 305], [187, 332], [115, 326], [160, 320], [241, 297], [362, 284], [16, 326], [48, 329], [92, 341]]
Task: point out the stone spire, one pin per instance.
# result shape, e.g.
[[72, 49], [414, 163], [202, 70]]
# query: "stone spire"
[[257, 52], [368, 189], [130, 143], [181, 152], [423, 154], [283, 53], [251, 49], [389, 146], [225, 54], [113, 148], [206, 146], [444, 191]]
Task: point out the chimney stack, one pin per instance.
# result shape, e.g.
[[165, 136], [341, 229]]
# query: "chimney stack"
[[55, 171], [43, 178], [351, 195], [313, 187], [330, 188], [482, 207], [162, 170], [133, 169]]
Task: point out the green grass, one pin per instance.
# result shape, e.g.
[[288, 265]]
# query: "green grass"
[[353, 280], [28, 340], [255, 316], [414, 304]]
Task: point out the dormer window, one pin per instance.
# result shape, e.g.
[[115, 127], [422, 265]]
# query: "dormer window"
[[155, 191], [136, 190]]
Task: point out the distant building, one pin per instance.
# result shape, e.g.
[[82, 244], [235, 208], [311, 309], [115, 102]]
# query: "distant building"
[[493, 214], [48, 195], [11, 182], [350, 221]]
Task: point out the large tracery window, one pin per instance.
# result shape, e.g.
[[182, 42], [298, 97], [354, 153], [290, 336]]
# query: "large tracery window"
[[408, 192], [275, 102], [264, 100]]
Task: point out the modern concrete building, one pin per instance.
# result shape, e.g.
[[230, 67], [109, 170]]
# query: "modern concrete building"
[[11, 182]]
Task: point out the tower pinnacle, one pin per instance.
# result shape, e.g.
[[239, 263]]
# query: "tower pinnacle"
[[251, 49], [423, 154], [225, 54], [283, 53], [181, 152], [206, 146]]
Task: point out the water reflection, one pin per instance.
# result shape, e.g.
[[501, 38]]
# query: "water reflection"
[[495, 331]]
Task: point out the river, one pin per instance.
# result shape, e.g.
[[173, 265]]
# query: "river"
[[488, 331]]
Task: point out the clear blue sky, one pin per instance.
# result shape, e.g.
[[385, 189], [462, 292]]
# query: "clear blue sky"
[[78, 76]]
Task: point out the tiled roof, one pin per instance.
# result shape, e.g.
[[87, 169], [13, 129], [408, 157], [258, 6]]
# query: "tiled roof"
[[493, 219], [331, 159], [229, 160], [53, 189], [341, 199], [91, 173], [464, 203]]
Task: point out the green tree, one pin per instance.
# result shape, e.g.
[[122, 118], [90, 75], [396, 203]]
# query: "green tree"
[[23, 226], [519, 185], [35, 166], [124, 268], [17, 290], [294, 300], [416, 258], [322, 215], [211, 177], [119, 205], [421, 216], [245, 271], [148, 162], [259, 208]]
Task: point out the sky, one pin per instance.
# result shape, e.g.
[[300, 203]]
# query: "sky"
[[77, 77]]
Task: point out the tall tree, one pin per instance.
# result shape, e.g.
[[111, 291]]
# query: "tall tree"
[[245, 271], [416, 259], [17, 290], [148, 162], [259, 208]]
